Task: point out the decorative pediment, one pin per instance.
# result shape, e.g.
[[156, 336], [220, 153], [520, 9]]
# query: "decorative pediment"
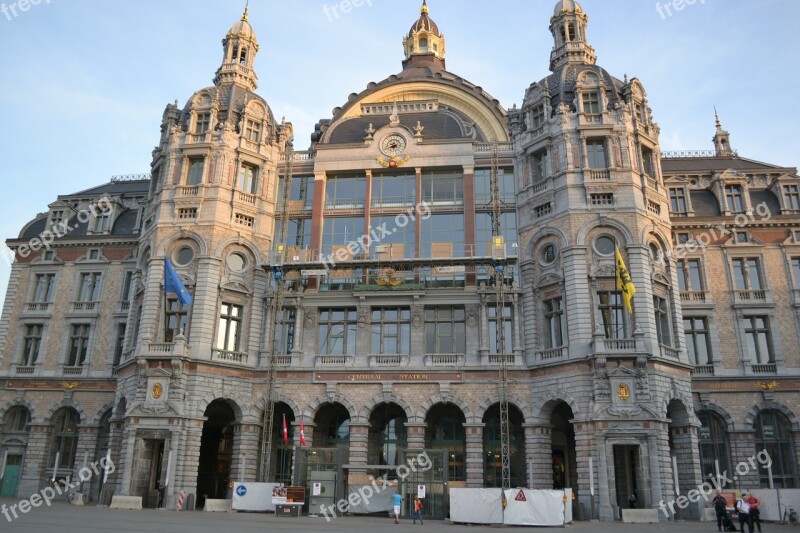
[[236, 286], [603, 269], [622, 371], [659, 277], [547, 279]]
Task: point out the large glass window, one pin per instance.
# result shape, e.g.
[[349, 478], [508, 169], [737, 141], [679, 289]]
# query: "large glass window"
[[337, 331], [483, 186], [677, 200], [537, 117], [484, 229], [443, 236], [127, 287], [177, 319], [492, 439], [747, 274], [690, 276], [391, 240], [554, 326], [792, 195], [697, 340], [247, 178], [17, 420], [734, 199], [345, 192], [202, 124], [663, 329], [89, 288], [446, 431], [298, 232], [391, 331], [773, 434], [301, 195], [713, 445], [443, 187], [229, 332], [394, 190], [591, 102], [31, 344], [43, 289], [338, 231], [539, 166], [508, 330], [195, 175], [119, 345], [284, 336], [445, 330], [612, 312], [596, 154], [253, 131], [65, 439], [758, 339], [78, 345]]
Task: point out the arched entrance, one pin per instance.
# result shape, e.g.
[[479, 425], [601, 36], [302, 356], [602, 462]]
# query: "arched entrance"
[[387, 436], [282, 458], [15, 430], [216, 452], [774, 434], [332, 426], [714, 445], [562, 435], [492, 469], [445, 431]]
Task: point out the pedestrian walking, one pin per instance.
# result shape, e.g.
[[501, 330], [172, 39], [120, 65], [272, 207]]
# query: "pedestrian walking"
[[755, 513], [397, 500], [720, 506], [417, 510], [632, 501], [743, 508]]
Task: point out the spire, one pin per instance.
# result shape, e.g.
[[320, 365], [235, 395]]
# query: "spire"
[[424, 38], [722, 139], [568, 27], [240, 47]]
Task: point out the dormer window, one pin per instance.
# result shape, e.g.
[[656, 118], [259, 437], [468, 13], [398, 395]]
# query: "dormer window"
[[253, 131], [591, 103], [101, 223], [791, 195], [423, 45], [537, 117], [56, 217], [677, 200], [202, 124], [734, 199]]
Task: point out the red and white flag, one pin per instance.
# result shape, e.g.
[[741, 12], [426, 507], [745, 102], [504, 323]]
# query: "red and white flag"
[[285, 431], [302, 434]]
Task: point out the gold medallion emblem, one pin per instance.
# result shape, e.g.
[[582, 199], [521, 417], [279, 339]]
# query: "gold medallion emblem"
[[158, 390], [623, 392]]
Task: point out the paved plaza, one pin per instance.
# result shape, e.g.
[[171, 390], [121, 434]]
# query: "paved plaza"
[[68, 519]]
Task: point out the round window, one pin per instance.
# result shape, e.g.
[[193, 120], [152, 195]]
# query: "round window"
[[548, 254], [604, 245], [184, 256], [236, 262], [655, 252]]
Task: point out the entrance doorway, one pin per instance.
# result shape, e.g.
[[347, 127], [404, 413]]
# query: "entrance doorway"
[[11, 476], [626, 475], [216, 452], [436, 504], [148, 458]]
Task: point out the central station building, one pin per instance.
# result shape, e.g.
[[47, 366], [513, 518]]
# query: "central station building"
[[388, 345]]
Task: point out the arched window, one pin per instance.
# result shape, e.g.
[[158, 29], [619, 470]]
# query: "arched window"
[[713, 445], [492, 440], [65, 439], [773, 434], [446, 431], [17, 420], [423, 45]]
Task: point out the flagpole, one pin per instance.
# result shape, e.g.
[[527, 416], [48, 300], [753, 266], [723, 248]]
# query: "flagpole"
[[166, 320]]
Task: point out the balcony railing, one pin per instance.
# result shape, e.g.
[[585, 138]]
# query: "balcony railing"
[[447, 360], [600, 175], [190, 190], [497, 359], [247, 197], [160, 347], [487, 148], [334, 360], [770, 368], [25, 370], [388, 361], [693, 296], [751, 296], [550, 355], [84, 306], [73, 370], [616, 346], [238, 358], [703, 370], [670, 352], [39, 307]]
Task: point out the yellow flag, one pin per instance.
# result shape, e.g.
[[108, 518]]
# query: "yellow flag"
[[624, 283]]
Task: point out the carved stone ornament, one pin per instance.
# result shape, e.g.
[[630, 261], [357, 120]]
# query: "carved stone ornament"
[[623, 392]]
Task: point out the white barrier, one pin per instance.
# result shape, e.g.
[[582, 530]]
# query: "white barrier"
[[131, 503], [476, 506], [217, 506], [538, 507], [639, 516], [253, 497]]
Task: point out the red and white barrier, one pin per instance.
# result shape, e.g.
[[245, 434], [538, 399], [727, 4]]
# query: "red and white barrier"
[[181, 497]]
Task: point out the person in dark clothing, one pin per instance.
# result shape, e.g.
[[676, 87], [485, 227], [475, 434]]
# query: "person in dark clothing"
[[755, 513], [720, 505], [632, 501]]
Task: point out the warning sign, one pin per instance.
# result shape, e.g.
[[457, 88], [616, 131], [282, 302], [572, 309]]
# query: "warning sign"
[[521, 496]]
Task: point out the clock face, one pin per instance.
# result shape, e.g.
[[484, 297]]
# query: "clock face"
[[393, 145]]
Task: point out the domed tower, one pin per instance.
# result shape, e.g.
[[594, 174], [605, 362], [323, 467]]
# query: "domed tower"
[[210, 213], [602, 303], [424, 39]]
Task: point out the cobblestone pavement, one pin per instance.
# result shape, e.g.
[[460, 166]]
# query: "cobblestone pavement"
[[63, 518]]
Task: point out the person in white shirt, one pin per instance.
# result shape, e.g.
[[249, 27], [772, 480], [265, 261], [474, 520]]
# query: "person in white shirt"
[[743, 508]]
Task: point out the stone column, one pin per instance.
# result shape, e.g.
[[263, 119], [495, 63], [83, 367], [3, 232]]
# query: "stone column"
[[539, 455], [605, 464], [246, 439], [35, 468], [686, 454], [359, 435], [415, 435], [205, 310], [584, 451], [743, 447], [577, 301], [474, 455], [189, 456], [87, 444]]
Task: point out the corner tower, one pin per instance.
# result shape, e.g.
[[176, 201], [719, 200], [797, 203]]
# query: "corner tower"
[[617, 385]]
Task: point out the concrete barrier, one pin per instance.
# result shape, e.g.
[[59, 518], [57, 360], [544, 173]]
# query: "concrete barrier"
[[132, 503], [217, 506], [639, 516]]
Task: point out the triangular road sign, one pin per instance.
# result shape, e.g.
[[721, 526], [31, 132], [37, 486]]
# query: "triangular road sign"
[[521, 496]]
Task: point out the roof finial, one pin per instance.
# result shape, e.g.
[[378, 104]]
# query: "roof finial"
[[424, 7], [719, 122], [246, 7]]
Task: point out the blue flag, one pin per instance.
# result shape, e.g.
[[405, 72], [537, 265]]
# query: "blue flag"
[[173, 283]]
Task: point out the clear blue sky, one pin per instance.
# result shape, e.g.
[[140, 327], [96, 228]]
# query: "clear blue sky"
[[85, 81]]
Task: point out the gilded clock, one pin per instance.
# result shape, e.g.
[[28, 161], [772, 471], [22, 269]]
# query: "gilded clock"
[[394, 145]]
